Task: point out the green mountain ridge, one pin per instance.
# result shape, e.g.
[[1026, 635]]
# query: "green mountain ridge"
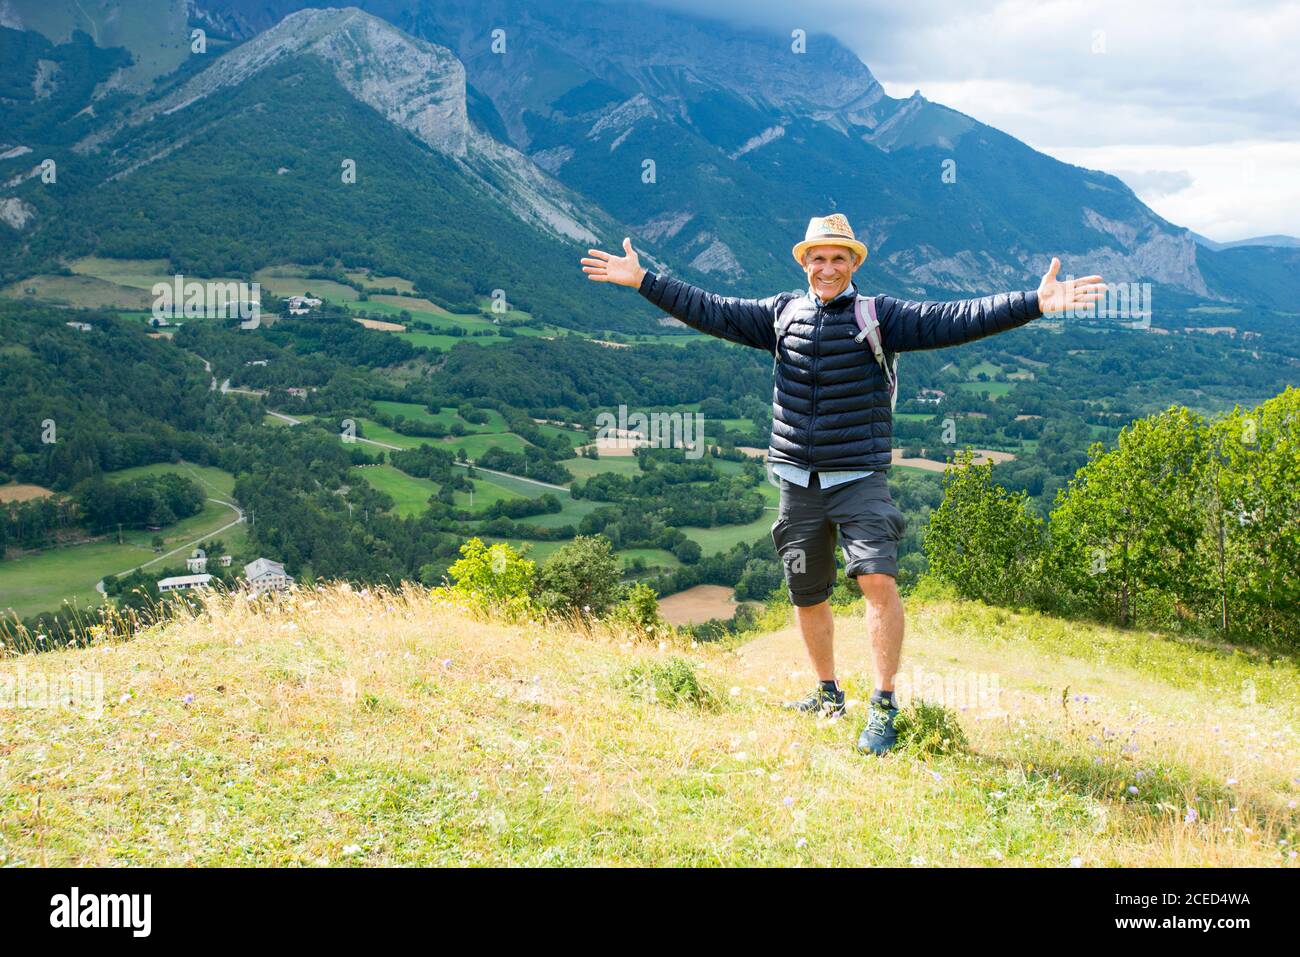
[[748, 140]]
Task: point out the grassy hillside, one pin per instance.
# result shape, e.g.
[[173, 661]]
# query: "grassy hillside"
[[378, 728]]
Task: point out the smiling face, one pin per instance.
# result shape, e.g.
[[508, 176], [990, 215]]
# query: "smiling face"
[[829, 270]]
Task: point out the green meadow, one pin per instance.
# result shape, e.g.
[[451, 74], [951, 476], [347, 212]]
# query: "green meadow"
[[41, 581]]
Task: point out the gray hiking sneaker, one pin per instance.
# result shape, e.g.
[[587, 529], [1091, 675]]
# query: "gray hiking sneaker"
[[819, 701], [879, 736]]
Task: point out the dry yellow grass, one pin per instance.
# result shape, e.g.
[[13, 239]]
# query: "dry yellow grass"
[[17, 492], [375, 728]]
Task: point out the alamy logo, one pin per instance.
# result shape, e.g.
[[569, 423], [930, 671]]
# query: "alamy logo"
[[1123, 300], [656, 430], [103, 910], [191, 299]]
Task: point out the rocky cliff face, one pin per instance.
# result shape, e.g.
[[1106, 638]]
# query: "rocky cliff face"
[[715, 144], [414, 84], [751, 137]]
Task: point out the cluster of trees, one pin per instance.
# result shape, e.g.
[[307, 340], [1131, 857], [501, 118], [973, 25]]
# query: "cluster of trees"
[[658, 493], [753, 568], [36, 522], [546, 504], [150, 500], [74, 404], [632, 525], [1186, 523], [435, 464], [531, 462]]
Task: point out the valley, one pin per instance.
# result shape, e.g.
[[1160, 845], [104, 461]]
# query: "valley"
[[412, 212]]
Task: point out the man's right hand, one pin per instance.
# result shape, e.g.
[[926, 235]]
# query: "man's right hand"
[[624, 270]]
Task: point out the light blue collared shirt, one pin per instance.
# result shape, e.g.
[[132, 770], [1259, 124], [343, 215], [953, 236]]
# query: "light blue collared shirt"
[[801, 477]]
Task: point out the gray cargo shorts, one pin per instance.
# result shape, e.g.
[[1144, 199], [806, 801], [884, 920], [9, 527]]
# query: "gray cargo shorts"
[[870, 528]]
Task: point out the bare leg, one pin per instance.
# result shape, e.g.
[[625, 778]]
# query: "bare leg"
[[817, 625], [884, 626]]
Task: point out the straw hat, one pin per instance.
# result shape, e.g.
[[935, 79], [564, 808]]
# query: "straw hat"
[[832, 230]]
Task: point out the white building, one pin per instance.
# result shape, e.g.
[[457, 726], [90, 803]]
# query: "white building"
[[80, 326], [225, 561], [265, 575], [301, 305], [182, 582], [197, 565]]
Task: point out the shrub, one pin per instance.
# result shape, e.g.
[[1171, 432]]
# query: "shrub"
[[639, 608], [926, 730], [582, 576], [983, 539], [496, 578], [672, 683]]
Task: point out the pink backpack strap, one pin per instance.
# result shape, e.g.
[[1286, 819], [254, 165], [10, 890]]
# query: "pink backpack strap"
[[864, 313], [785, 317]]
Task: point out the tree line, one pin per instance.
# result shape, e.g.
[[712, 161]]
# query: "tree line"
[[1188, 523]]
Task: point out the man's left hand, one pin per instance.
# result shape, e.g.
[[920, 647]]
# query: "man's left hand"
[[1057, 296]]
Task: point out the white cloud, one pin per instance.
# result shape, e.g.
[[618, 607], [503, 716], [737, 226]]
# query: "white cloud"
[[1236, 190], [1155, 86]]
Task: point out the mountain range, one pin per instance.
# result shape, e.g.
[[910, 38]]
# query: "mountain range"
[[493, 140]]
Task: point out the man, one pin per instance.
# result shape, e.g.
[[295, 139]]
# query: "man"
[[832, 416]]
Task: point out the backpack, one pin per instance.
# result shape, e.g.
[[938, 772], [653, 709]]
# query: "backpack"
[[864, 313]]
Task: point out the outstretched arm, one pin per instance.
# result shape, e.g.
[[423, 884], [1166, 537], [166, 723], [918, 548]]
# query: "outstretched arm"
[[908, 326], [749, 322]]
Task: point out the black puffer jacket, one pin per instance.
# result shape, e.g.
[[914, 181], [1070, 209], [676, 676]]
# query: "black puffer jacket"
[[830, 403]]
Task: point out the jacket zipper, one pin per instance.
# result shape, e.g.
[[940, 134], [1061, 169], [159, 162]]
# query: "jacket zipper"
[[817, 354]]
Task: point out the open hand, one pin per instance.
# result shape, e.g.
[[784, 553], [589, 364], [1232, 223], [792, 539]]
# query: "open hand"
[[1057, 296], [624, 270]]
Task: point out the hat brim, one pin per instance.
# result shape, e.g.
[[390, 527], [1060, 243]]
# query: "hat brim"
[[859, 249]]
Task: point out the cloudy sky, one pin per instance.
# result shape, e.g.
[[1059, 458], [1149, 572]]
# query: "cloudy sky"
[[1196, 105]]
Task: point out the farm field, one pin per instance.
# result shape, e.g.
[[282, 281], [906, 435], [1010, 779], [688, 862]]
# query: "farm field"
[[445, 417], [292, 280]]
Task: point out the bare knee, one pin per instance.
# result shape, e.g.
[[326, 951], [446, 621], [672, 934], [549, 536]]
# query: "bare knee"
[[878, 588]]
